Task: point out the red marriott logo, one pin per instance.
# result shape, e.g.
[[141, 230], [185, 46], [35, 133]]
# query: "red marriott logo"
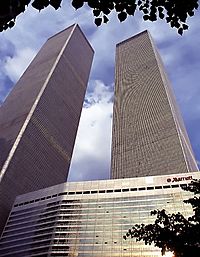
[[177, 179]]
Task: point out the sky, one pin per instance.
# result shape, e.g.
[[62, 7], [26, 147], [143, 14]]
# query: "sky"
[[181, 57]]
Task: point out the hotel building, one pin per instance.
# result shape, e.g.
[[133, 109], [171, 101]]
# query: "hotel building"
[[90, 218]]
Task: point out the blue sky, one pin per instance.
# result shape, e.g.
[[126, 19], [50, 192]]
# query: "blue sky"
[[181, 56]]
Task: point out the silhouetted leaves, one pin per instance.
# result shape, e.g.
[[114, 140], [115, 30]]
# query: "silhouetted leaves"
[[122, 16], [11, 24], [131, 9], [173, 232], [55, 3], [98, 21], [146, 17], [180, 31], [92, 3], [40, 4], [96, 12], [175, 12], [161, 15], [77, 4], [105, 19]]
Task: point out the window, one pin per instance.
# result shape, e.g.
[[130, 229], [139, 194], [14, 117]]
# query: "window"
[[71, 193], [94, 192], [173, 186], [141, 188], [150, 188], [133, 189], [109, 191], [158, 187], [102, 191], [86, 192], [125, 189], [64, 193]]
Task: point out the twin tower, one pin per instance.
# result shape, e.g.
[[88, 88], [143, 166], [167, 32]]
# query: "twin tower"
[[40, 117]]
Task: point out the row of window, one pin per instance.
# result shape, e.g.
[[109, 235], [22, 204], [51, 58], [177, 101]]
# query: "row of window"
[[100, 212], [54, 208], [55, 205], [102, 192], [82, 244]]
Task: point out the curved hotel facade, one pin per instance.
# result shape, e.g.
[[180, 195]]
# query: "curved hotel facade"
[[90, 218]]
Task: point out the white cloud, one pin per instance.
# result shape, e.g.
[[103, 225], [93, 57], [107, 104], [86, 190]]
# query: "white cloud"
[[15, 66], [92, 148]]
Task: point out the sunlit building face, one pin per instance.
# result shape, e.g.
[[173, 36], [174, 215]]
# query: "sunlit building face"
[[90, 218], [148, 137], [39, 118]]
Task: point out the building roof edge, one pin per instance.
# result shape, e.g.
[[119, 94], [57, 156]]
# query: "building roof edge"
[[137, 35]]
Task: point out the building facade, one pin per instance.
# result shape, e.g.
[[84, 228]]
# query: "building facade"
[[151, 157], [40, 117], [149, 137], [90, 218]]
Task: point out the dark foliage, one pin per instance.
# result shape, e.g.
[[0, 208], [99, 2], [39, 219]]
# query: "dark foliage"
[[175, 12], [173, 232]]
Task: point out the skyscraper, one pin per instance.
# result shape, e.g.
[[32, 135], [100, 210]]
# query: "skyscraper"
[[40, 117], [149, 137]]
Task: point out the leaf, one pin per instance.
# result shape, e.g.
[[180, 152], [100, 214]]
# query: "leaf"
[[11, 24], [160, 9], [168, 19], [131, 9], [154, 212], [196, 5], [96, 12], [185, 26], [152, 17], [77, 3], [183, 17], [98, 21], [5, 26], [191, 13], [105, 19], [92, 3], [40, 4], [161, 15], [25, 2], [106, 11], [122, 16], [119, 7], [172, 24], [145, 17], [145, 10], [55, 3]]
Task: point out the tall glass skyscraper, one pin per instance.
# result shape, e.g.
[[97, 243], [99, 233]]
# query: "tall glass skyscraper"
[[149, 137], [40, 117]]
